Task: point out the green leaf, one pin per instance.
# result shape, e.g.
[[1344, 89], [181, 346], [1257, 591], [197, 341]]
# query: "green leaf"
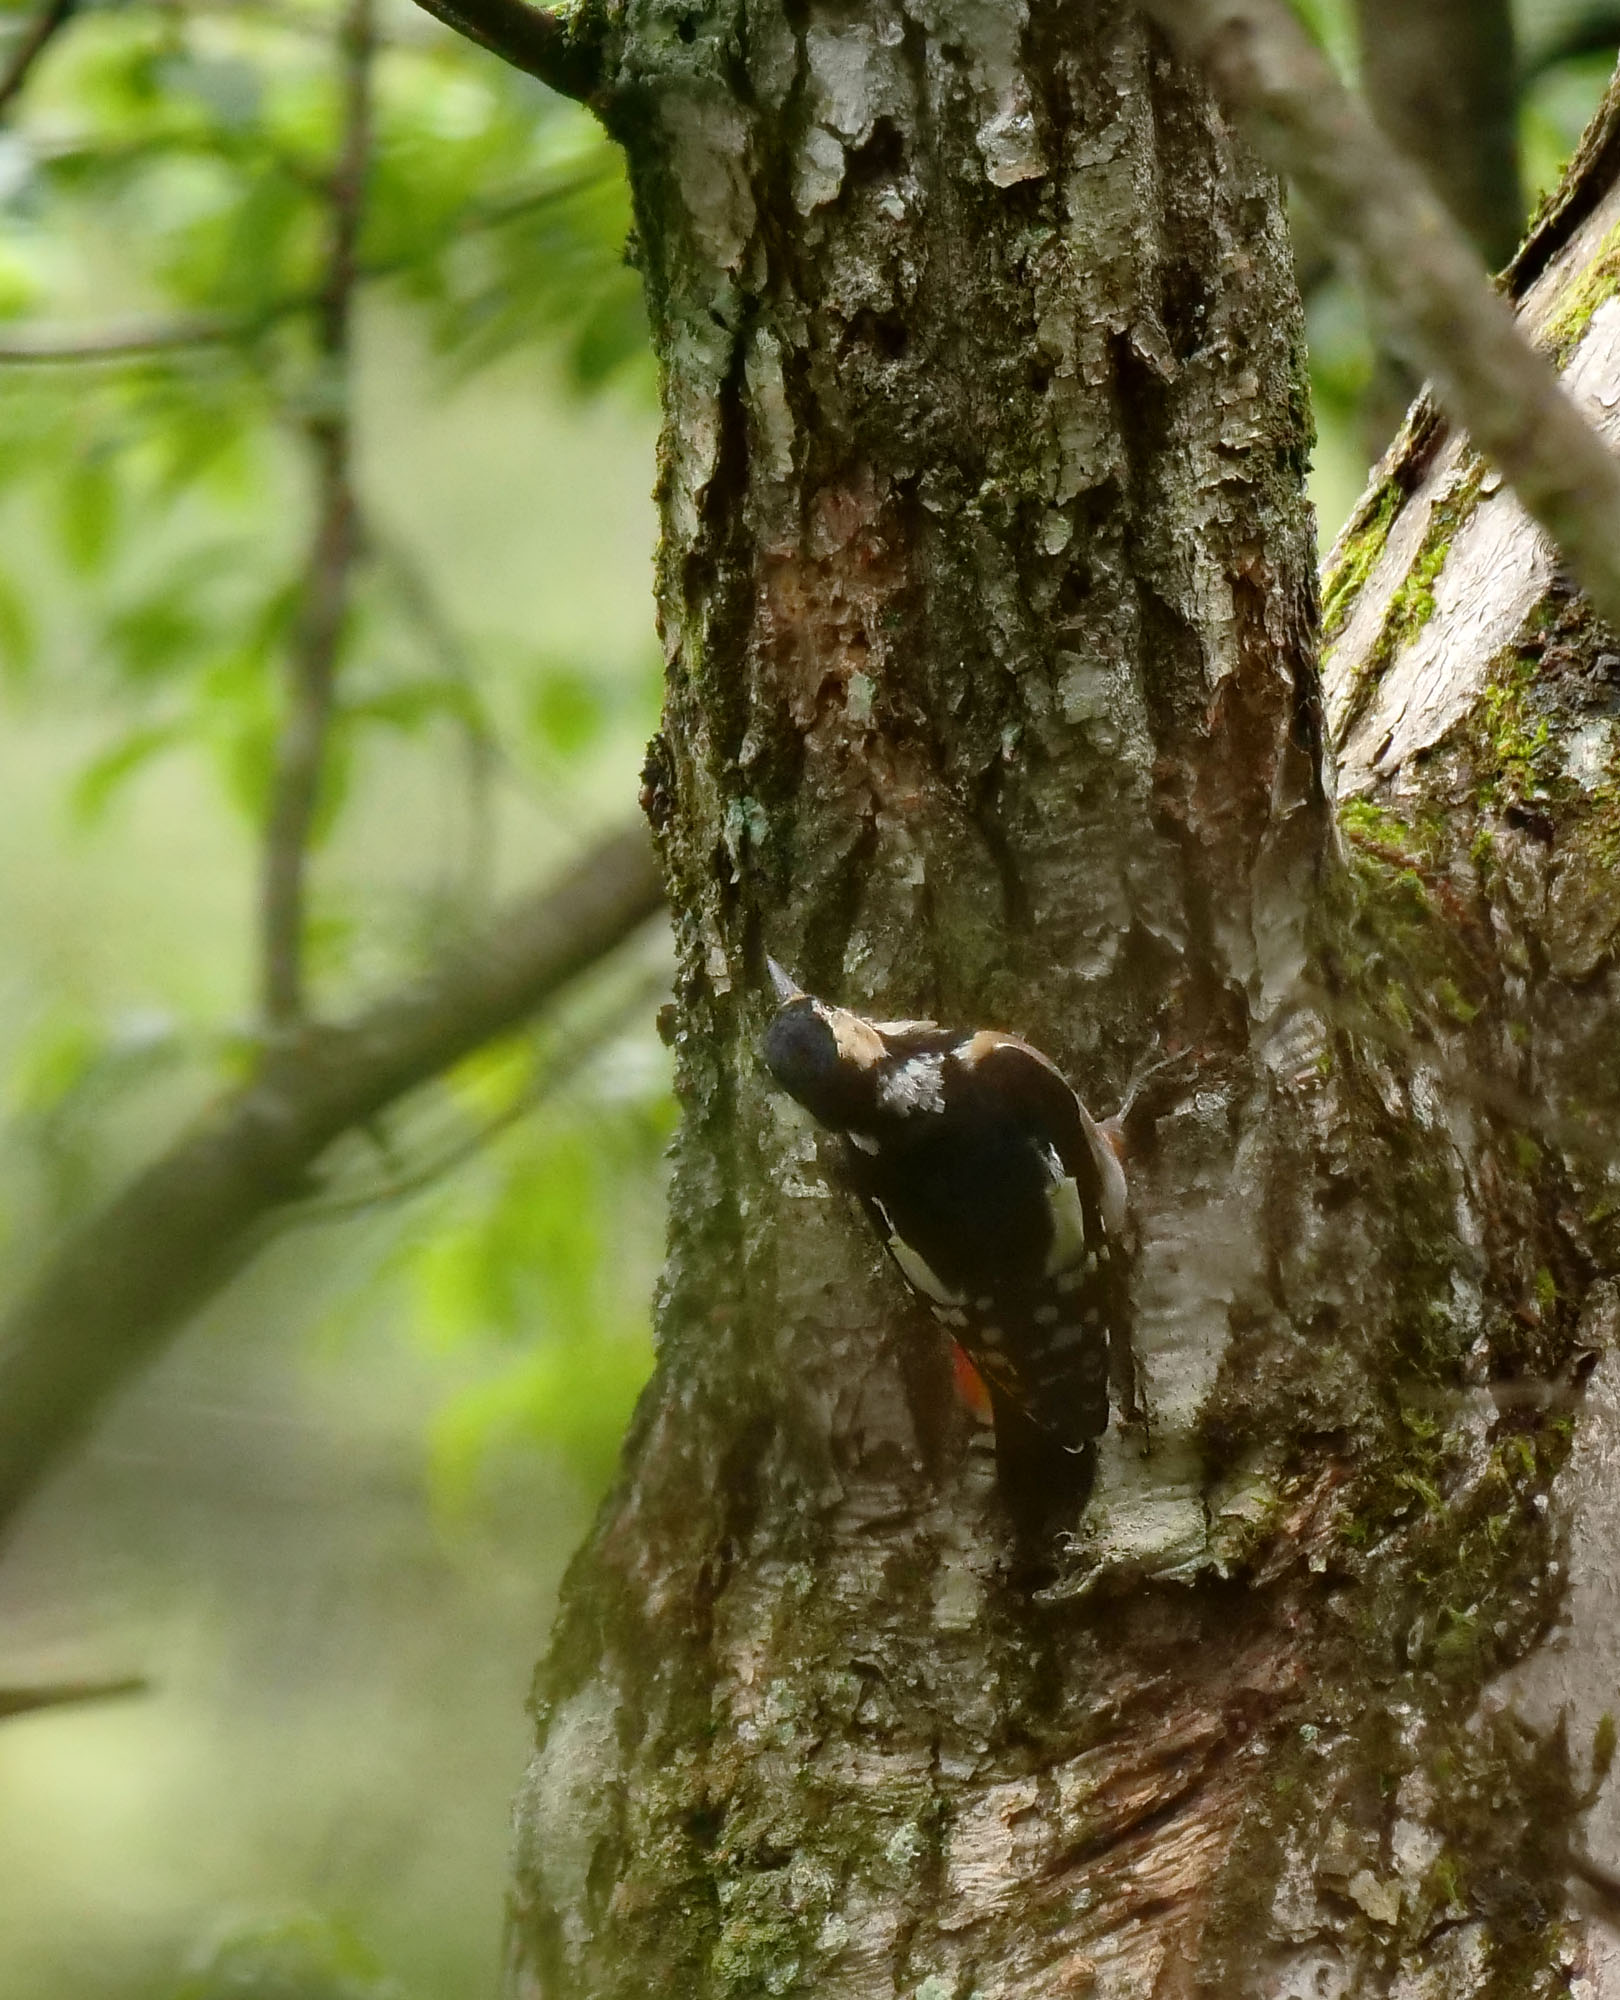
[[568, 711], [309, 1959], [16, 632], [22, 284], [54, 1063], [87, 511], [248, 761], [101, 780]]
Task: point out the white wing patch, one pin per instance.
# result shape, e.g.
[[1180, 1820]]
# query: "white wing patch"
[[922, 1276], [918, 1085], [1068, 1227]]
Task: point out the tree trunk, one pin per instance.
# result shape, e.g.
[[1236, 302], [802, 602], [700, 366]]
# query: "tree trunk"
[[988, 609]]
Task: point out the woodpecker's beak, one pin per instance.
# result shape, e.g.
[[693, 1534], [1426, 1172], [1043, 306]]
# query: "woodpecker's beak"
[[785, 988]]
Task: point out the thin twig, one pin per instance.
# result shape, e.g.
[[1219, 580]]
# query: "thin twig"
[[137, 343], [312, 667], [37, 37], [127, 1278], [562, 1065], [122, 344], [513, 207], [484, 755], [66, 1694], [1383, 222]]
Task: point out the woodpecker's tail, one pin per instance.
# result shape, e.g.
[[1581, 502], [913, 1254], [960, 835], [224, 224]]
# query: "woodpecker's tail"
[[1044, 1481]]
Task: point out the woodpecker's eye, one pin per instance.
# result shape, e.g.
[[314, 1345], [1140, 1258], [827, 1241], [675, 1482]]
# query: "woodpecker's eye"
[[801, 1051]]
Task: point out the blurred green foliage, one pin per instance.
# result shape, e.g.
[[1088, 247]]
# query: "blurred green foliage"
[[300, 1960], [173, 163], [167, 197], [480, 1270]]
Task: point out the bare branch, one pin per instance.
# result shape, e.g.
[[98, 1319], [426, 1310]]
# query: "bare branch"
[[1384, 223], [133, 343], [36, 38], [141, 341], [125, 1280], [301, 748], [560, 1066], [541, 41], [67, 1694]]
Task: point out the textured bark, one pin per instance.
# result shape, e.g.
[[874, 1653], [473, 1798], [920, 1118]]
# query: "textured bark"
[[1473, 697], [988, 612]]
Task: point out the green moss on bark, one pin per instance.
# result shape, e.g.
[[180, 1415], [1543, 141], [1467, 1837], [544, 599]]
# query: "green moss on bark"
[[1355, 557], [1598, 283]]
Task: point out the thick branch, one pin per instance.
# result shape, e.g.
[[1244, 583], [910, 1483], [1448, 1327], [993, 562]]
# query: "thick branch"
[[301, 750], [541, 41], [1383, 221], [1440, 78], [128, 1277], [36, 38], [1587, 178]]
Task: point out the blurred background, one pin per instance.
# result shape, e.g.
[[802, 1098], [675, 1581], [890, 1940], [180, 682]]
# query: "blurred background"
[[325, 1532]]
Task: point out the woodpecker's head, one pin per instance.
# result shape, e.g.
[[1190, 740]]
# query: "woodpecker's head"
[[825, 1057]]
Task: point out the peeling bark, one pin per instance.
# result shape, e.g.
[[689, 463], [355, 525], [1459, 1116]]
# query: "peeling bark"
[[989, 623]]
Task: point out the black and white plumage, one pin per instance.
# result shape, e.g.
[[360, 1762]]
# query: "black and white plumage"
[[1003, 1205]]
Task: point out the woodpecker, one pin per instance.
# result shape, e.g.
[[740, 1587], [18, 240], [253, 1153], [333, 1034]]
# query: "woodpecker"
[[1000, 1201]]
